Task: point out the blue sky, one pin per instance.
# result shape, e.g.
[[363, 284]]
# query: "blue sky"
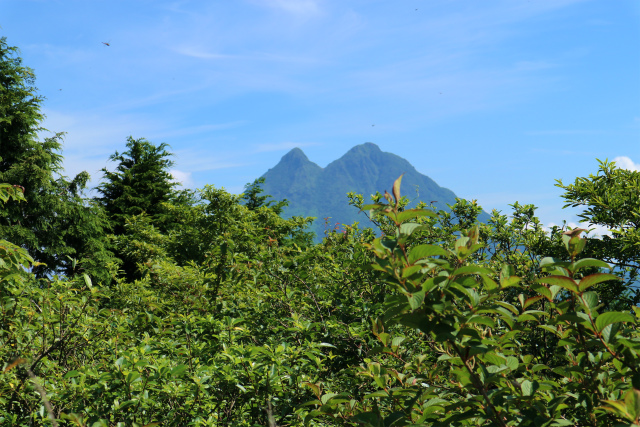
[[493, 99]]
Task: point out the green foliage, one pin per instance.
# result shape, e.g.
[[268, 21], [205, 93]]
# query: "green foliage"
[[229, 315], [55, 224], [450, 348], [253, 200], [140, 183], [611, 199]]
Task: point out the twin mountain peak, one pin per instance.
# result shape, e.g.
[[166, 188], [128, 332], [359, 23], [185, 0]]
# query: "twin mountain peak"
[[364, 169]]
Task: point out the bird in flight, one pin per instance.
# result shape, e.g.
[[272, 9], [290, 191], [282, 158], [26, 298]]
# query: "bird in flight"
[[106, 43]]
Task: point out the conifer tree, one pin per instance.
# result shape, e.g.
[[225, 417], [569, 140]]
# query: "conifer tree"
[[55, 225], [140, 184], [137, 190]]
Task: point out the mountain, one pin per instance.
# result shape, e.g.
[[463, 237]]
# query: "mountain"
[[365, 169]]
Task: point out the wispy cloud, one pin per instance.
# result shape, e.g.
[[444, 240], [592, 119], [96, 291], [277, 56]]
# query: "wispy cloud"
[[283, 146], [303, 8], [193, 130], [624, 162], [207, 160], [566, 132], [182, 178], [200, 53]]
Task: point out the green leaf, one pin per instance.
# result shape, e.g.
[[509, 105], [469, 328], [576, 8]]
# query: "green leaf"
[[414, 213], [543, 290], [610, 317], [594, 279], [87, 281], [531, 300], [550, 329], [424, 251], [326, 397], [372, 207], [561, 281], [590, 299], [632, 400], [507, 282], [410, 270], [71, 374], [481, 320], [495, 359], [588, 262], [179, 371], [416, 299], [472, 269], [548, 262], [527, 388], [396, 188], [408, 228]]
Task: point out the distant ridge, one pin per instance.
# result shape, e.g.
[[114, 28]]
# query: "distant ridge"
[[364, 169]]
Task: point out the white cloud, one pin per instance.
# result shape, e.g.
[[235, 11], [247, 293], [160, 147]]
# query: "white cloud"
[[183, 178], [566, 132], [295, 7], [624, 162], [261, 148]]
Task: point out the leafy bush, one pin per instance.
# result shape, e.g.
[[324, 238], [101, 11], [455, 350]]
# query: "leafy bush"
[[451, 349]]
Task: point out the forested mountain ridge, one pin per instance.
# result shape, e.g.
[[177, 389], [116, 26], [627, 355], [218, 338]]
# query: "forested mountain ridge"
[[364, 169]]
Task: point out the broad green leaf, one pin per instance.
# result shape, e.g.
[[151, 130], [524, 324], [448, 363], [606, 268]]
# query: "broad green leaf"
[[594, 279], [326, 397], [489, 283], [617, 407], [588, 262], [512, 363], [590, 299], [424, 251], [543, 290], [414, 213], [510, 281], [527, 388], [408, 228], [553, 262], [379, 393], [87, 281], [495, 359], [610, 317], [531, 300], [71, 374], [508, 306], [416, 299], [179, 371], [372, 207], [481, 320], [471, 269], [410, 270], [561, 281]]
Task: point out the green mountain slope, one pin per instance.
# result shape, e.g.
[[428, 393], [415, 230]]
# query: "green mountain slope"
[[365, 169]]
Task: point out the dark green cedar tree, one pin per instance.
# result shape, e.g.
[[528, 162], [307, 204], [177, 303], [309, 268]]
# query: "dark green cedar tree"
[[139, 188], [56, 225], [141, 183]]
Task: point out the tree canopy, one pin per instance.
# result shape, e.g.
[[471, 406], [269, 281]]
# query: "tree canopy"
[[226, 314], [56, 225]]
